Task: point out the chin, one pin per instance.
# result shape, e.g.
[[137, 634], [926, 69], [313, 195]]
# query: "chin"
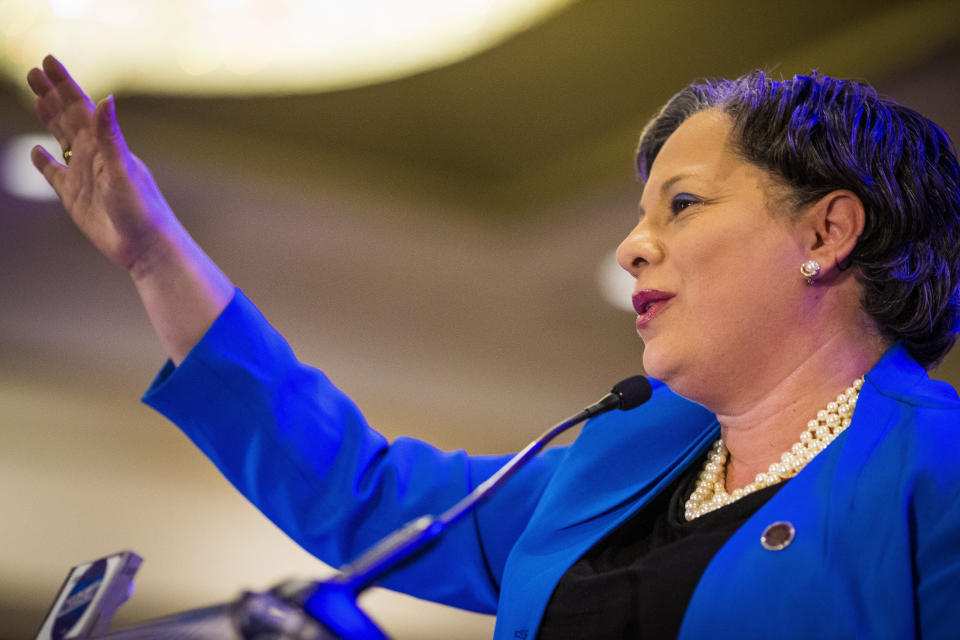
[[666, 367], [657, 364]]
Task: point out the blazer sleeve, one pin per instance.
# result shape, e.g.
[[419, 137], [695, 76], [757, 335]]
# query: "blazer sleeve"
[[934, 518], [303, 454]]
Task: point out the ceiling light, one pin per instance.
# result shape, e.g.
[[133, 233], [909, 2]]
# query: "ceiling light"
[[253, 46]]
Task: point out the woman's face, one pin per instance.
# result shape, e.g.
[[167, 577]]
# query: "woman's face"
[[718, 289]]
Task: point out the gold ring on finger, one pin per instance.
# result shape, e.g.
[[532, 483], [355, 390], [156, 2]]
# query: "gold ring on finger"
[[67, 154]]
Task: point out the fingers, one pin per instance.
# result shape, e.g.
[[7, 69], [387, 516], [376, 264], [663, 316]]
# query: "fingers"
[[48, 104], [107, 131], [39, 82], [52, 170], [48, 117], [61, 104], [68, 90]]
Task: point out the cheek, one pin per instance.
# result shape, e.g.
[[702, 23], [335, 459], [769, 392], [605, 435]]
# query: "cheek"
[[737, 283], [713, 273]]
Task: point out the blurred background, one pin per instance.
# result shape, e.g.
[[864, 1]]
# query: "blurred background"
[[422, 196]]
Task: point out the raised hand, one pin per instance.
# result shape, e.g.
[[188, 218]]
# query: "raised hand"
[[108, 192], [112, 198]]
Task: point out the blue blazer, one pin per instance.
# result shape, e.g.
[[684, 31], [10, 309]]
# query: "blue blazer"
[[877, 516]]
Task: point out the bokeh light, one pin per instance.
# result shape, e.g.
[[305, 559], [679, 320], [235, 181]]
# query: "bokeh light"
[[615, 284], [18, 176]]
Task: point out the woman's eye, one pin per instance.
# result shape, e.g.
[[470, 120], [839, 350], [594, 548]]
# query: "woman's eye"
[[682, 201]]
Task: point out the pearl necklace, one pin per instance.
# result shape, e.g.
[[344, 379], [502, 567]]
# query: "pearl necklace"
[[711, 493]]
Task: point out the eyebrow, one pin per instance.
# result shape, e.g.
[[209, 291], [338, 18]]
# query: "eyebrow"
[[669, 182]]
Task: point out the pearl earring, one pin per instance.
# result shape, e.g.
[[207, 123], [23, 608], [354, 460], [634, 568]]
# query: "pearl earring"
[[810, 270]]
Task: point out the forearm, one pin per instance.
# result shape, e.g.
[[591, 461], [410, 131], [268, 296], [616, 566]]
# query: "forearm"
[[182, 290], [114, 201]]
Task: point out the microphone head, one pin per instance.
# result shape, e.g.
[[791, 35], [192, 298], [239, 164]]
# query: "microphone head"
[[633, 392]]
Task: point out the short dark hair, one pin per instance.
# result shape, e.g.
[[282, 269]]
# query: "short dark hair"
[[817, 134]]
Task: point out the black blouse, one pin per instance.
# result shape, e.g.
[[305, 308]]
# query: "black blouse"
[[637, 581]]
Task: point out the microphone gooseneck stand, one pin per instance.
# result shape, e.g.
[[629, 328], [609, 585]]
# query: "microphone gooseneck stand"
[[327, 610], [332, 596]]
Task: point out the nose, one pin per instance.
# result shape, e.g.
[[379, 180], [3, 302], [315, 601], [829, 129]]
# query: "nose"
[[637, 249]]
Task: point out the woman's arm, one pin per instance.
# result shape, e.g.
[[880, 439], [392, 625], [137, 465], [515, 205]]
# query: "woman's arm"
[[112, 198], [278, 430]]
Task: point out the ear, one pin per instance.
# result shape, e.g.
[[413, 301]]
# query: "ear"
[[834, 223]]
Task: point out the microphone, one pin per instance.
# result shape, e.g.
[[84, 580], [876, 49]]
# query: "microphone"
[[327, 601], [627, 394]]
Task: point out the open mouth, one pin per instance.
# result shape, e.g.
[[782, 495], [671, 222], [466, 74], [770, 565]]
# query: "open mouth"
[[645, 300], [648, 305]]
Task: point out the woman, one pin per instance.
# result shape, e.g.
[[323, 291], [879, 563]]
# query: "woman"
[[796, 259]]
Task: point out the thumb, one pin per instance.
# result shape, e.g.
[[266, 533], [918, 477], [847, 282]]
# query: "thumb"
[[107, 130]]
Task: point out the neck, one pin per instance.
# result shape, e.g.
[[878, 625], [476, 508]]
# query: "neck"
[[765, 419]]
